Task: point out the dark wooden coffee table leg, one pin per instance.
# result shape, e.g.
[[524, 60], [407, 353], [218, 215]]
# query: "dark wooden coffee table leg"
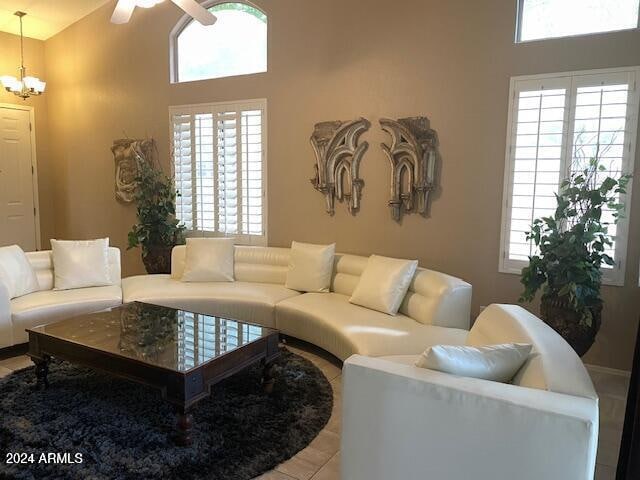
[[184, 425], [268, 377], [42, 370]]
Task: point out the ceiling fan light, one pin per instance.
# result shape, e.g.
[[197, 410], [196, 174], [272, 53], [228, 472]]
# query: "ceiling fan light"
[[147, 3]]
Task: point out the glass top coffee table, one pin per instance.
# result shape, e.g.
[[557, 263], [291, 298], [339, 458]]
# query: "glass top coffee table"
[[179, 352]]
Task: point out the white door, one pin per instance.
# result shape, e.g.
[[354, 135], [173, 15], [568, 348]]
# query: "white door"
[[17, 206]]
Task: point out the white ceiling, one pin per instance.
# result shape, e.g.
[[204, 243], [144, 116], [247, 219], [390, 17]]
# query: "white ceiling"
[[44, 18]]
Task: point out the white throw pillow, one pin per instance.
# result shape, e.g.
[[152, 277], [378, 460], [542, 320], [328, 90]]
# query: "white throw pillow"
[[16, 273], [208, 260], [384, 283], [498, 363], [310, 267], [80, 263]]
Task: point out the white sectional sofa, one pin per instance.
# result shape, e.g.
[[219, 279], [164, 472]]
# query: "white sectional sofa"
[[48, 305], [401, 421], [435, 310]]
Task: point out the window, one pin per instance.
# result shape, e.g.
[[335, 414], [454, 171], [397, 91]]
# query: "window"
[[555, 123], [539, 19], [235, 45], [219, 160]]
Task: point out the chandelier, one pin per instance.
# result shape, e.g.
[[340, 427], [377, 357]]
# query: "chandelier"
[[25, 86]]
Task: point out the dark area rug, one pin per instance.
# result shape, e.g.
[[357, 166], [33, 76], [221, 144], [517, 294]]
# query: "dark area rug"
[[122, 429]]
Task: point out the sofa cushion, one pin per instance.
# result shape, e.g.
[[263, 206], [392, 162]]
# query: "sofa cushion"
[[552, 365], [80, 264], [329, 321], [16, 273], [310, 267], [42, 263], [433, 298], [244, 301], [251, 264], [497, 363], [208, 260], [384, 283], [52, 305]]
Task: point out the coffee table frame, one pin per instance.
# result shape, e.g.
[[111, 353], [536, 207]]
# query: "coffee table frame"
[[183, 389]]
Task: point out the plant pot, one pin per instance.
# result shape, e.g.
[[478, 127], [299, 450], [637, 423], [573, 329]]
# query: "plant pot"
[[559, 316], [158, 259]]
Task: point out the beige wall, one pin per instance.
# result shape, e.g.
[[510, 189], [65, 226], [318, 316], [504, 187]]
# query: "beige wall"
[[34, 61], [329, 60]]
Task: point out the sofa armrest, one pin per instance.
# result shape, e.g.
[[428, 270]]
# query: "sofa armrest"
[[401, 421], [6, 326]]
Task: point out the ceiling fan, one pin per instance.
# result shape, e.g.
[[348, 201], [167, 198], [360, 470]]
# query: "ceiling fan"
[[124, 10]]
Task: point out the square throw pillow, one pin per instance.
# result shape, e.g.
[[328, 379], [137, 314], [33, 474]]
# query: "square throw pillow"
[[384, 283], [80, 263], [498, 363], [310, 267], [16, 273], [208, 260]]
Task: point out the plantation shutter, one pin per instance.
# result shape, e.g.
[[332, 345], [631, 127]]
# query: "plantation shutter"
[[252, 178], [556, 124], [538, 131], [219, 158], [604, 115], [182, 168]]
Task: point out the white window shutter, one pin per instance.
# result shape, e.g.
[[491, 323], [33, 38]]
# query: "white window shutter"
[[203, 162], [556, 124], [252, 169], [182, 126], [219, 154], [536, 140], [227, 134]]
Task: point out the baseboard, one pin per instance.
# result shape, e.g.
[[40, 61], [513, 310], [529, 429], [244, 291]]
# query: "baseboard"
[[608, 370], [14, 351]]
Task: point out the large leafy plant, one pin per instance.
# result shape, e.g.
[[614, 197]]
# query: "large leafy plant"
[[572, 244], [156, 206]]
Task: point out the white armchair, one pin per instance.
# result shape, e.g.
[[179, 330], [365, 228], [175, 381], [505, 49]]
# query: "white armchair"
[[400, 421]]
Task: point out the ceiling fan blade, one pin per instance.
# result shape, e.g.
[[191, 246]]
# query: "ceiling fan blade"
[[197, 11], [123, 11]]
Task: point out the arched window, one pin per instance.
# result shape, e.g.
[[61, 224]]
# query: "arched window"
[[235, 45]]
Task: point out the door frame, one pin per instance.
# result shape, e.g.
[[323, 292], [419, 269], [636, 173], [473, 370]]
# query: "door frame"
[[34, 165]]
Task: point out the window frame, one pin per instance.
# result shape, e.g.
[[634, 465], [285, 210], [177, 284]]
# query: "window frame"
[[519, 18], [239, 105], [184, 21], [572, 80]]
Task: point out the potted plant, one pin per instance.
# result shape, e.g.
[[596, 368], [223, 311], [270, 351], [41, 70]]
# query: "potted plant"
[[571, 249], [158, 230]]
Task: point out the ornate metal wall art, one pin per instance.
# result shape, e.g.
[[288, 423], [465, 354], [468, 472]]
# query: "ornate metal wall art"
[[127, 153], [338, 156], [412, 155]]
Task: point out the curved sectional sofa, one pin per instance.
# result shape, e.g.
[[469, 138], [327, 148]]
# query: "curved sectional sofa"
[[435, 310], [400, 421]]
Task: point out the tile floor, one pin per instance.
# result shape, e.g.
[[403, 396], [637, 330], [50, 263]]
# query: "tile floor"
[[321, 459]]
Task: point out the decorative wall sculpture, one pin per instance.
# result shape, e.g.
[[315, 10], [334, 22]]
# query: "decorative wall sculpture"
[[412, 155], [126, 153], [338, 157]]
